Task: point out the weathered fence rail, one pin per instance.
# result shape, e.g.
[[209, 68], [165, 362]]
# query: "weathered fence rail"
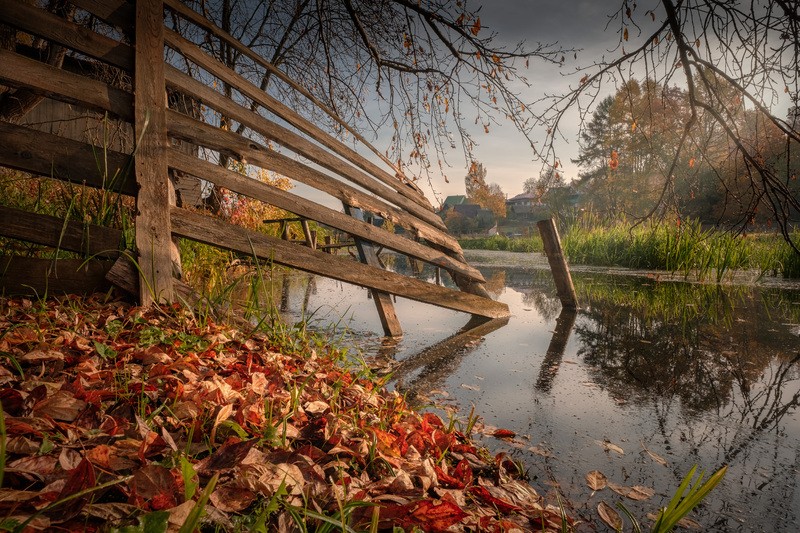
[[270, 136]]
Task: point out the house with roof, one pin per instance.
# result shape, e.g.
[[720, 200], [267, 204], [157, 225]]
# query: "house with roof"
[[523, 206]]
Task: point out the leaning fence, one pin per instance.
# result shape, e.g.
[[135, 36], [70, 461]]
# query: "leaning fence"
[[228, 118]]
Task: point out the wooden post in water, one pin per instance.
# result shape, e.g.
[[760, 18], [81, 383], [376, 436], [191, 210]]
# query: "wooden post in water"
[[153, 232], [558, 265], [383, 300]]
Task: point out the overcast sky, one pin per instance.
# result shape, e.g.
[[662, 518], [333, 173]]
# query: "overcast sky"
[[572, 24]]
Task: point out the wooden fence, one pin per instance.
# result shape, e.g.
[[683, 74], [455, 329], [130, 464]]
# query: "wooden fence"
[[294, 147]]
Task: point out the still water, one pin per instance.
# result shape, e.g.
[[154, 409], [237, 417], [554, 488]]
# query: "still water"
[[647, 379]]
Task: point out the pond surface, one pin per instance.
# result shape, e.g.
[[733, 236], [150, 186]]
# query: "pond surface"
[[647, 379]]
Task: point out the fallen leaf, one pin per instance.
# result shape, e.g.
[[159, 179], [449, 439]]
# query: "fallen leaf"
[[619, 489], [654, 456], [640, 493], [596, 480], [154, 487], [609, 446], [60, 406], [609, 516], [540, 451], [504, 434]]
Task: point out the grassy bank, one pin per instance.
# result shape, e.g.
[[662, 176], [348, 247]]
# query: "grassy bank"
[[686, 248]]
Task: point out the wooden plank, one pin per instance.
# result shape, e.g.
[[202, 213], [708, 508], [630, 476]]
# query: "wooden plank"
[[284, 112], [218, 233], [382, 299], [114, 12], [274, 132], [153, 237], [241, 148], [65, 159], [558, 264], [54, 28], [58, 84], [39, 277], [90, 240], [308, 209]]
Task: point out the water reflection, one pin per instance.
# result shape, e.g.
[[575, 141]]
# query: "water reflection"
[[699, 374]]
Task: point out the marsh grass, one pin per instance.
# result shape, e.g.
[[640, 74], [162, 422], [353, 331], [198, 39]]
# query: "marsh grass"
[[684, 248], [506, 244]]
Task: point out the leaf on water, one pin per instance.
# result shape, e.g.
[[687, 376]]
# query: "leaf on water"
[[609, 516], [619, 489], [470, 387], [610, 446], [654, 456], [688, 523], [540, 451], [640, 493], [596, 480], [504, 434]]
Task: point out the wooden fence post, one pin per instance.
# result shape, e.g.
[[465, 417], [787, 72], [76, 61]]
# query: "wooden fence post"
[[153, 232], [383, 300], [558, 265]]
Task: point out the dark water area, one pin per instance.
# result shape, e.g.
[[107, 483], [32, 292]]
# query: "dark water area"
[[647, 379]]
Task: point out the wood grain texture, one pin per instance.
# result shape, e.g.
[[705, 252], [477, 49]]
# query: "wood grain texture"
[[311, 210], [558, 264], [383, 300], [153, 237], [38, 277], [89, 239], [75, 36], [58, 84], [241, 148], [218, 233], [117, 13], [65, 159]]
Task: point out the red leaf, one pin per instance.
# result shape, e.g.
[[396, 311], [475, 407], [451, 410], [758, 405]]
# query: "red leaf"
[[501, 505], [504, 434], [436, 517], [154, 487], [81, 478], [463, 472]]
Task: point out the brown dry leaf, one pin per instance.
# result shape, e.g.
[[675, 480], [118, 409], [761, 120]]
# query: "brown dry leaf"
[[39, 356], [62, 405], [232, 499], [640, 493], [596, 480], [540, 451], [610, 446], [223, 414], [17, 496], [609, 516], [688, 523], [654, 456], [619, 489]]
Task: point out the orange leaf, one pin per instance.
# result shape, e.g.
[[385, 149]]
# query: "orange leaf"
[[476, 28], [504, 434], [625, 34]]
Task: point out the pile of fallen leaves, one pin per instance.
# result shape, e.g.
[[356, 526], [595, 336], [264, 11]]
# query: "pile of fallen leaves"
[[147, 419]]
